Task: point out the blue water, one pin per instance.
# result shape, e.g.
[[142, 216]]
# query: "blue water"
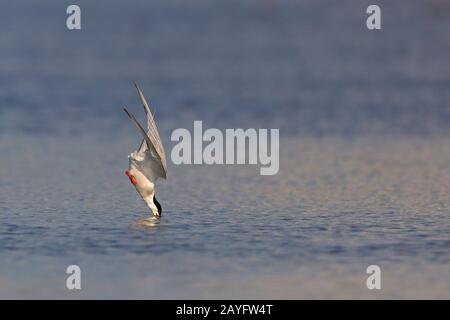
[[364, 151]]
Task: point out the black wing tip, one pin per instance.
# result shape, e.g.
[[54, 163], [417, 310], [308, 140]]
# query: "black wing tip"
[[126, 111]]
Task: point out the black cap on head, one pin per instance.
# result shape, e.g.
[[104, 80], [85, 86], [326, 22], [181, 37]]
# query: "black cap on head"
[[158, 205]]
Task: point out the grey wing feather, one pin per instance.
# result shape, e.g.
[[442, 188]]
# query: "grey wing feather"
[[152, 130], [147, 159]]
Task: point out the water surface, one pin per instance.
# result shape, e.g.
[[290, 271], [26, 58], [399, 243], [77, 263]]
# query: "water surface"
[[364, 150]]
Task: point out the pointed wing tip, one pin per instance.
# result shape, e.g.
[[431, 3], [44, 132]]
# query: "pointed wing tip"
[[126, 111], [142, 98], [137, 87]]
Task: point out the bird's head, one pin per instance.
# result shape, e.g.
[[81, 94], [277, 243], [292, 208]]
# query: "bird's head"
[[145, 189], [154, 205], [158, 206]]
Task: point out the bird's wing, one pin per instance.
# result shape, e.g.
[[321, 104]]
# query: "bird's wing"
[[150, 157], [152, 130]]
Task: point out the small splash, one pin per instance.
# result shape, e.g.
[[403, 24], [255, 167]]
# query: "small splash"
[[151, 222]]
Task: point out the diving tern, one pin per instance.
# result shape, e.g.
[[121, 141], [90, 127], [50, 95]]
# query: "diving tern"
[[148, 162]]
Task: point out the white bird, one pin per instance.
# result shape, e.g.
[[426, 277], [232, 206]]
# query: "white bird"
[[148, 162]]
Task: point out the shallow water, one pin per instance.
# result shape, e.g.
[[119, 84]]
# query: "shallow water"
[[364, 151]]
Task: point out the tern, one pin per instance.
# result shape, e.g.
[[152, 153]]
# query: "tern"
[[148, 162]]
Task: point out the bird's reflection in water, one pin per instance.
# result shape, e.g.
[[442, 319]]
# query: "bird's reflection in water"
[[151, 222]]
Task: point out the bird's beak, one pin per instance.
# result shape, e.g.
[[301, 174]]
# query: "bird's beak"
[[132, 179]]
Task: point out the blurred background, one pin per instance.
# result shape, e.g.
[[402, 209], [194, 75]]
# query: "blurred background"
[[364, 119]]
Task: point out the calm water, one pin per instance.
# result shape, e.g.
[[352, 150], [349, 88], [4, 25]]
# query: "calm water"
[[364, 177]]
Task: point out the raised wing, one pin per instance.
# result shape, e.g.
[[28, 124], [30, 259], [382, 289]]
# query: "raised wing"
[[150, 157], [152, 129]]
